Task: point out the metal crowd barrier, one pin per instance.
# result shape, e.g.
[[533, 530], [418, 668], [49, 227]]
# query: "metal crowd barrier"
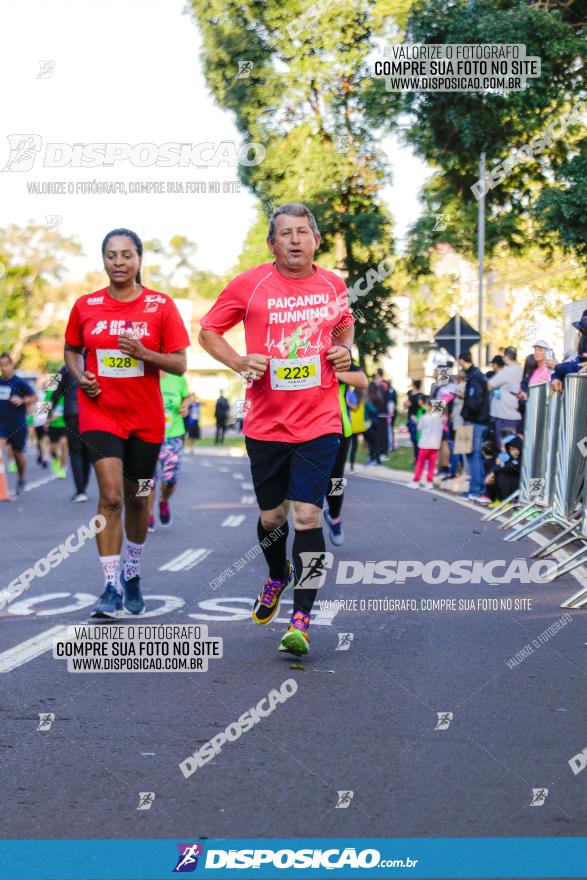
[[552, 478], [533, 455]]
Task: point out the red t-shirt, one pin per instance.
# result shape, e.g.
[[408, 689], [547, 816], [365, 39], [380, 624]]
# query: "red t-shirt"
[[130, 401], [302, 313]]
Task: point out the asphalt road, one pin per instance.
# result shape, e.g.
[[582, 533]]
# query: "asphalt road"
[[364, 719]]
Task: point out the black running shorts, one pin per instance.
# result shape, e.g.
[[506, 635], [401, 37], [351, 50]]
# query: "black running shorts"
[[294, 471], [139, 457]]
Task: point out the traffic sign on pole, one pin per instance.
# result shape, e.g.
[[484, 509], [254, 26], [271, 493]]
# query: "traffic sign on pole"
[[456, 335]]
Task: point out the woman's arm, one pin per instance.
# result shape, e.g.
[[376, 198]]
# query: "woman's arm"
[[175, 363], [74, 361]]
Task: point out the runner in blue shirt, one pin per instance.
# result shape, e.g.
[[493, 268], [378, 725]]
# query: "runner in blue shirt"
[[15, 395]]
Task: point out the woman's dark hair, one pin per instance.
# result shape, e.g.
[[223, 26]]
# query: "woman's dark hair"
[[133, 237], [530, 365], [582, 347]]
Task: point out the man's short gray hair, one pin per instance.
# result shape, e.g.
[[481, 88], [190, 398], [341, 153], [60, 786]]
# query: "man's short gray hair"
[[293, 209], [510, 352]]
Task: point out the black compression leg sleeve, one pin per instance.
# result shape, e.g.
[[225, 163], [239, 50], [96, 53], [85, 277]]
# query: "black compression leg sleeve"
[[311, 542], [274, 549]]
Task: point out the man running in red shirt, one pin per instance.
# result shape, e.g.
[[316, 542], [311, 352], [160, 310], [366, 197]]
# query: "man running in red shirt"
[[292, 311]]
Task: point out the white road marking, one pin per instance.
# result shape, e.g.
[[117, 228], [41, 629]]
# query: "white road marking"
[[248, 499], [170, 603], [42, 482], [26, 606], [186, 560], [21, 654], [234, 520], [39, 644], [238, 476], [239, 608], [223, 470], [245, 486]]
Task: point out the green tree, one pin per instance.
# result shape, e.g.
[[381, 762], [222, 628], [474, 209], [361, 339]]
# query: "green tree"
[[31, 296], [306, 98], [450, 130]]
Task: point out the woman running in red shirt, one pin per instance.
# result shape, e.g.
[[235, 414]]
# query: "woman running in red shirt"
[[117, 339]]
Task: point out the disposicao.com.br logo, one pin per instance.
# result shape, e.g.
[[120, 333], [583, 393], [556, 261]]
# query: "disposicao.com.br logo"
[[330, 859]]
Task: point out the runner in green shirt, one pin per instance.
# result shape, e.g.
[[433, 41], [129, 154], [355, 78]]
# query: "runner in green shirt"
[[176, 398], [57, 437]]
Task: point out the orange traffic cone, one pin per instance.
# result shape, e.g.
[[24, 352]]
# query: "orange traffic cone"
[[4, 495]]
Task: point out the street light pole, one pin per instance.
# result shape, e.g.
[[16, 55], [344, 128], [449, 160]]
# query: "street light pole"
[[481, 248]]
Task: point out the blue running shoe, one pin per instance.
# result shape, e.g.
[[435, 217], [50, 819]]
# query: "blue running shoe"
[[334, 530], [109, 604], [133, 599]]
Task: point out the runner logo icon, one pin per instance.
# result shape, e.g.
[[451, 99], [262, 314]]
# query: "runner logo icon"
[[145, 487], [146, 799], [444, 719], [337, 485], [187, 860], [539, 795], [344, 641], [314, 567], [99, 327], [46, 719], [344, 800], [23, 150]]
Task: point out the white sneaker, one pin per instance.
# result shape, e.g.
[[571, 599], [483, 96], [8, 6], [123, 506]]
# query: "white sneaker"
[[80, 496], [413, 485]]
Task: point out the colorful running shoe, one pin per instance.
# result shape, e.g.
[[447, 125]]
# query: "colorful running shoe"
[[165, 513], [133, 599], [267, 602], [61, 473], [109, 604], [55, 465], [12, 468], [335, 530], [151, 523], [296, 640]]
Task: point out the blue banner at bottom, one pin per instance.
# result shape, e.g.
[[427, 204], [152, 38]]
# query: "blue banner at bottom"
[[282, 859]]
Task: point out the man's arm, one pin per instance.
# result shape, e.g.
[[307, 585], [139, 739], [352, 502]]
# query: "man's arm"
[[217, 346], [339, 353], [354, 378]]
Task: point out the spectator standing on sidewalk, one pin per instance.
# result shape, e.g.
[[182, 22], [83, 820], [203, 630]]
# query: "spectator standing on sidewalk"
[[475, 412], [221, 414], [355, 401], [505, 388], [374, 408], [429, 440], [411, 406]]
